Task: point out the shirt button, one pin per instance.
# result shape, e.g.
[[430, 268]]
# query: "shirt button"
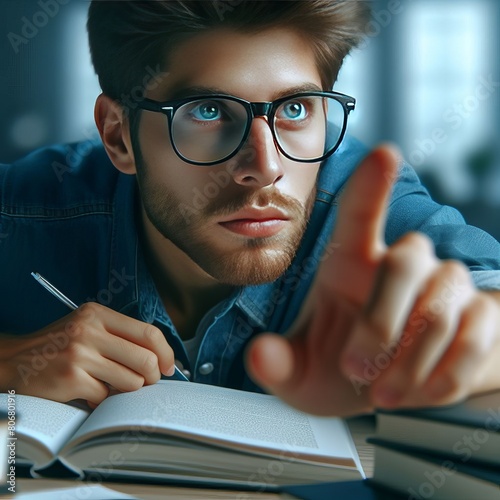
[[206, 368], [187, 373]]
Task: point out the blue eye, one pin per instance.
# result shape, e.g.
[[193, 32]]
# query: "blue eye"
[[207, 111], [294, 111]]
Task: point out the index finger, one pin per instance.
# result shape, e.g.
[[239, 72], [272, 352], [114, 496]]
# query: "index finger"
[[360, 225]]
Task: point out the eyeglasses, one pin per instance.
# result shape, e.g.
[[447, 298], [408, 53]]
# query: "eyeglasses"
[[205, 130]]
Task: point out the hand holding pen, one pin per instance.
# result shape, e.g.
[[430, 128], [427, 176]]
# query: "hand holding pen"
[[68, 302], [83, 354]]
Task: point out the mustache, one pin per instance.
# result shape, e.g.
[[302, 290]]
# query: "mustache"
[[260, 199]]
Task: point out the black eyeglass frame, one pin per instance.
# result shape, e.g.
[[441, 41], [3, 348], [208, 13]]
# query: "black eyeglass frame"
[[253, 109]]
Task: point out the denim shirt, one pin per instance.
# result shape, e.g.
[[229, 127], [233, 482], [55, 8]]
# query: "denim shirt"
[[67, 213]]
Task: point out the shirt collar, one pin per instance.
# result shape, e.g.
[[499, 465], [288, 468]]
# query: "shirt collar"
[[257, 302]]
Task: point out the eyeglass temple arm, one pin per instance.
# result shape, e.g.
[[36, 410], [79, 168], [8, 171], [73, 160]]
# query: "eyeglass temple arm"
[[150, 105], [350, 105]]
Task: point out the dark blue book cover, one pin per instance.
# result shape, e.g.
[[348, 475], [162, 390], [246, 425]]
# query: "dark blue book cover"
[[485, 472], [469, 431], [343, 490]]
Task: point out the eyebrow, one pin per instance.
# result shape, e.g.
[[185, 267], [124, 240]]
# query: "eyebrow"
[[306, 87], [202, 91]]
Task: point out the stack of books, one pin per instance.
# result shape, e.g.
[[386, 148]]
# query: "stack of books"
[[450, 452]]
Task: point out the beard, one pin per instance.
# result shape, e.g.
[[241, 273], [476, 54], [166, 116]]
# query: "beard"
[[250, 261]]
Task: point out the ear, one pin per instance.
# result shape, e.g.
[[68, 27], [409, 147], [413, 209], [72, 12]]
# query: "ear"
[[114, 130]]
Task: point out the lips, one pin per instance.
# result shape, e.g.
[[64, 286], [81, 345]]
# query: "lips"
[[256, 223]]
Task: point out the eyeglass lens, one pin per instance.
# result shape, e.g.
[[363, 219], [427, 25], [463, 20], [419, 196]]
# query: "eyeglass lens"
[[306, 127]]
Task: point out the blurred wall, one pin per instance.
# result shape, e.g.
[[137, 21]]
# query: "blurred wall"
[[426, 77], [47, 84]]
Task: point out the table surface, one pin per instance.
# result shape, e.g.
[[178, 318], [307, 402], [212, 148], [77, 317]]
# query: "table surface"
[[360, 427]]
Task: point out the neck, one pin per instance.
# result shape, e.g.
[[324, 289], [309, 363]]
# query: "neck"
[[186, 290]]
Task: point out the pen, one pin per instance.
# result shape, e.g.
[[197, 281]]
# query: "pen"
[[68, 302]]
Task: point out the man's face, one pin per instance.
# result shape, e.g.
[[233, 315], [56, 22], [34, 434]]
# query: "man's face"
[[240, 221]]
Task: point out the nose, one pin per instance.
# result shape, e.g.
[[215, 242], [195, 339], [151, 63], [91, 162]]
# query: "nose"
[[258, 163]]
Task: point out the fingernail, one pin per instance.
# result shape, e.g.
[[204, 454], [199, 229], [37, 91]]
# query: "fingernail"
[[171, 371]]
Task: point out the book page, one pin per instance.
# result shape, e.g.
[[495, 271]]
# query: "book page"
[[50, 423], [220, 414]]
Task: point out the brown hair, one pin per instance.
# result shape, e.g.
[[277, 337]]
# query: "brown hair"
[[130, 38]]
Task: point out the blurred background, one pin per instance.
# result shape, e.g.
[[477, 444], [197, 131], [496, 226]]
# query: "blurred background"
[[426, 77]]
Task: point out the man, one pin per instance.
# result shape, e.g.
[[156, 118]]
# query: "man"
[[222, 206]]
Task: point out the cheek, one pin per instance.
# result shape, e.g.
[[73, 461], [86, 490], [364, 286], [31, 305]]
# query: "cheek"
[[301, 180], [154, 138], [168, 175]]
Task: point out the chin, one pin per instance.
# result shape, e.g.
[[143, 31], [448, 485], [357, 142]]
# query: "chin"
[[250, 267]]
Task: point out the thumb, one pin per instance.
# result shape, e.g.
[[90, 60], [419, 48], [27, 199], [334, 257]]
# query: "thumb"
[[272, 363]]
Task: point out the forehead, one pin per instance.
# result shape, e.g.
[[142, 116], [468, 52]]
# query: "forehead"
[[254, 66]]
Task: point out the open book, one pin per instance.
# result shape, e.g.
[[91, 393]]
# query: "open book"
[[178, 431]]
